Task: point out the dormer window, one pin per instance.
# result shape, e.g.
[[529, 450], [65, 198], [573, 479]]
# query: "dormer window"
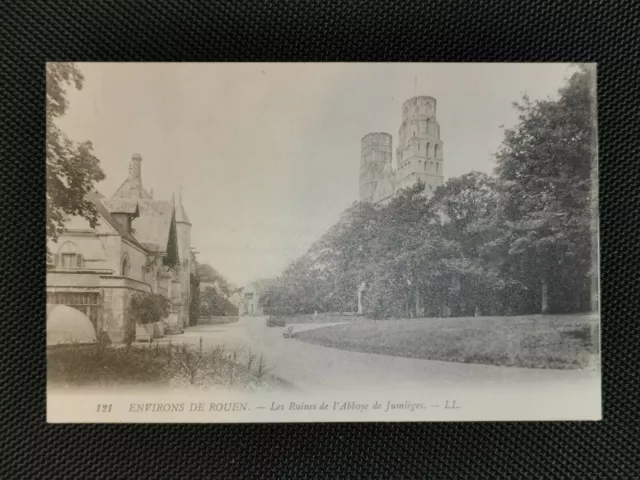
[[69, 260], [68, 256]]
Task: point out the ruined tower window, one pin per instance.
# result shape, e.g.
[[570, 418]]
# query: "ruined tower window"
[[435, 151], [436, 167]]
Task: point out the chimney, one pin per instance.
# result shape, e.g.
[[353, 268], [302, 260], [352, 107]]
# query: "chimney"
[[136, 166]]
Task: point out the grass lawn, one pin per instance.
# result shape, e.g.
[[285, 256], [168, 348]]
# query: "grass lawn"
[[535, 341]]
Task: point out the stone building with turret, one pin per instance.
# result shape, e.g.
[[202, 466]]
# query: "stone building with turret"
[[140, 245], [419, 155]]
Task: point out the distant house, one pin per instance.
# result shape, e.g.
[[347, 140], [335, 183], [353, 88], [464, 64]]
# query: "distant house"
[[251, 297], [140, 245]]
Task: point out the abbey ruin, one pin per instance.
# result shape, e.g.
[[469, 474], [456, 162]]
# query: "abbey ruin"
[[418, 156]]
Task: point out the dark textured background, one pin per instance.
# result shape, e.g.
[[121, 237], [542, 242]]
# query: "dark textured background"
[[33, 32]]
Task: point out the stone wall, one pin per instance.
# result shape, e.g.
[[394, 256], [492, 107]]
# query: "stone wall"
[[116, 292]]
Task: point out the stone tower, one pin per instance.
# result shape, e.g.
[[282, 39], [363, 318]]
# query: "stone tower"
[[376, 174], [183, 227], [419, 153]]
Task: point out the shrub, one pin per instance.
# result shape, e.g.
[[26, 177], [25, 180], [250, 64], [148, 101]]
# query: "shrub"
[[215, 304], [173, 365], [149, 308], [105, 365]]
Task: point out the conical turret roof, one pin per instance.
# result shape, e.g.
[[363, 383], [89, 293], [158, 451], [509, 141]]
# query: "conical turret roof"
[[181, 213]]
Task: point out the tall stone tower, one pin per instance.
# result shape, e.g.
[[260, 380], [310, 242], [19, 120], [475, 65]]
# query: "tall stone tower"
[[376, 174], [183, 227], [419, 153]]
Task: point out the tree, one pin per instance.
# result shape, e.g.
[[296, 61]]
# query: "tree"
[[342, 258], [215, 304], [206, 273], [149, 308], [545, 168], [72, 169], [468, 207], [480, 245], [194, 305], [399, 255]]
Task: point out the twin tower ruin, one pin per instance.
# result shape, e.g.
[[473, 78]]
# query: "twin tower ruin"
[[418, 156]]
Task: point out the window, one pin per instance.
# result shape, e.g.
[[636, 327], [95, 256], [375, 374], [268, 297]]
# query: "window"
[[125, 266], [428, 121], [436, 167], [428, 148], [435, 151], [69, 260], [68, 256]]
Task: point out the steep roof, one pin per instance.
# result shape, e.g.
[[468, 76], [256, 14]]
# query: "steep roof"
[[152, 228], [132, 188], [181, 213], [98, 200], [118, 205]]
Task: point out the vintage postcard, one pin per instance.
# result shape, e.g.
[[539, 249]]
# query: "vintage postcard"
[[322, 242]]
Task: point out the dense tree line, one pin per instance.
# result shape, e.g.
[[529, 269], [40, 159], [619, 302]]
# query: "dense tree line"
[[518, 242]]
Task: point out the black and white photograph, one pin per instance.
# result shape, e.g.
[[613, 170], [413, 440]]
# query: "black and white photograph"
[[322, 242]]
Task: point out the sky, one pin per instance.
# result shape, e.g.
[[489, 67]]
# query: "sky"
[[268, 155]]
